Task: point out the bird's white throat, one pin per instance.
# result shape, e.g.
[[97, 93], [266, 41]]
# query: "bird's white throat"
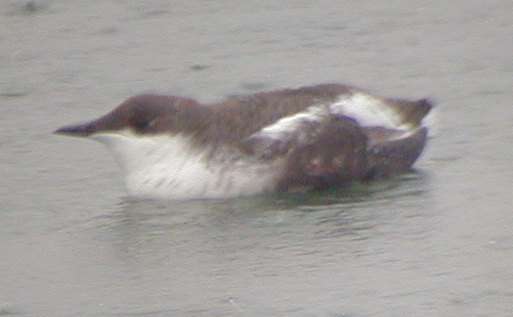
[[171, 167]]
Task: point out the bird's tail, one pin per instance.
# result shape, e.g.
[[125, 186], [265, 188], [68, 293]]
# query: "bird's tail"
[[415, 114]]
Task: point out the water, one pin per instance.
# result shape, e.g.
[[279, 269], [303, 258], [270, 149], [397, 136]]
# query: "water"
[[437, 242]]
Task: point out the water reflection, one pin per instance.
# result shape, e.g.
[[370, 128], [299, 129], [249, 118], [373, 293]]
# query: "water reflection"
[[344, 210], [264, 235]]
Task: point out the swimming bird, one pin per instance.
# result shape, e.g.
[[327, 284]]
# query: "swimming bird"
[[287, 140]]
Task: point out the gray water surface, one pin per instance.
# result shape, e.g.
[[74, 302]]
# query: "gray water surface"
[[436, 242]]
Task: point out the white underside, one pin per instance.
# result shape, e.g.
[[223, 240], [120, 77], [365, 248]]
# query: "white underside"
[[166, 167]]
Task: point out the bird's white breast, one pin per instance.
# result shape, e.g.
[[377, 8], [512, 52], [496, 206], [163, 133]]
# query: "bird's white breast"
[[171, 167]]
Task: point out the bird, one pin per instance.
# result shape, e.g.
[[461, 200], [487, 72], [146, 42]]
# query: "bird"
[[285, 140]]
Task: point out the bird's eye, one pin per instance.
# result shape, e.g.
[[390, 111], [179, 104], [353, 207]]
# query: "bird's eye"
[[143, 118], [152, 123], [140, 123]]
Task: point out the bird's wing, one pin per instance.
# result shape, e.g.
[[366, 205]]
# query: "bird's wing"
[[289, 132], [391, 151], [371, 111]]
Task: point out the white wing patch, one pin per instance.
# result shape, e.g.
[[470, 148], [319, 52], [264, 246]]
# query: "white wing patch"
[[278, 138], [285, 127], [367, 110]]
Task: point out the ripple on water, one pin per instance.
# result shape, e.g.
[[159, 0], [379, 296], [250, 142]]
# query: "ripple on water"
[[14, 92], [7, 310], [27, 7], [199, 67]]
